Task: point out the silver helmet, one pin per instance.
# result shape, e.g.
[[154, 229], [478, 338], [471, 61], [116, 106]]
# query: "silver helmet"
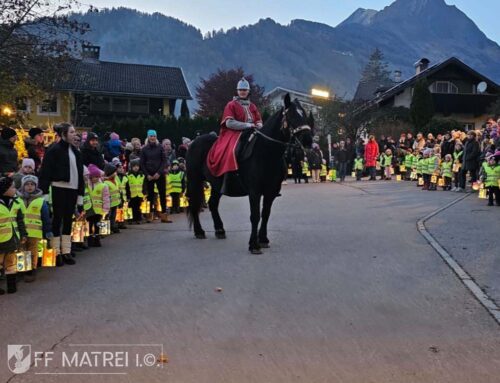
[[243, 84]]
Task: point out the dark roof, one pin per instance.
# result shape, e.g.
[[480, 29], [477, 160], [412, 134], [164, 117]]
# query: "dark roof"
[[367, 89], [125, 79], [430, 71]]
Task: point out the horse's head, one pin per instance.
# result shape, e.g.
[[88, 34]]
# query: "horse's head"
[[298, 125]]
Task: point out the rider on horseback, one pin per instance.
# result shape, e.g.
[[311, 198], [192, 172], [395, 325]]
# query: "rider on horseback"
[[239, 115]]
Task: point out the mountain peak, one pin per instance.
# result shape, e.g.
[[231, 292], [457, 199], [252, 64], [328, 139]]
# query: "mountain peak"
[[360, 16], [416, 7]]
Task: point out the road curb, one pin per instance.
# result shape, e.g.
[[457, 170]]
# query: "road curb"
[[464, 277]]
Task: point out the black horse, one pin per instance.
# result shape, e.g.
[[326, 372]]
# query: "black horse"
[[261, 173]]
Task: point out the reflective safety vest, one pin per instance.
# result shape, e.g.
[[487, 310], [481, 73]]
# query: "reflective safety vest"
[[385, 160], [8, 220], [358, 164], [418, 167], [135, 183], [96, 197], [323, 172], [432, 164], [409, 161], [457, 156], [87, 200], [123, 187], [114, 192], [492, 174], [174, 182], [305, 168], [446, 169], [33, 218]]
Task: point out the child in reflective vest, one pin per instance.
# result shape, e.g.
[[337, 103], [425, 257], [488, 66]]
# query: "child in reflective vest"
[[135, 190], [433, 167], [99, 203], [426, 169], [409, 163], [490, 175], [386, 164], [358, 167], [175, 186], [114, 192], [36, 219], [12, 231], [305, 170], [122, 180], [446, 171]]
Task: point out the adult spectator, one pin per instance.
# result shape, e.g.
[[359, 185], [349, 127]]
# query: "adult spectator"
[[8, 153], [360, 148], [153, 164], [470, 159], [410, 139], [169, 151], [35, 146], [371, 154], [90, 151], [314, 158], [62, 171], [448, 145], [351, 154], [419, 143], [136, 149]]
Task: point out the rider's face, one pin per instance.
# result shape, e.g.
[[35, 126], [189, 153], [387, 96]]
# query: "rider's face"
[[243, 93]]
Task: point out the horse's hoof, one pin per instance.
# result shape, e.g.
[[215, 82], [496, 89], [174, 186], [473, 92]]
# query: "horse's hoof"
[[200, 236], [264, 245], [256, 251], [220, 235]]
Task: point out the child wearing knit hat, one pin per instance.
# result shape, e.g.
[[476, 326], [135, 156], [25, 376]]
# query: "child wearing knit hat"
[[11, 237], [27, 167], [100, 203], [36, 218]]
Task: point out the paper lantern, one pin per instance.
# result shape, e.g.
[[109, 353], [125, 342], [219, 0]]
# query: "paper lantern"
[[49, 258], [24, 261]]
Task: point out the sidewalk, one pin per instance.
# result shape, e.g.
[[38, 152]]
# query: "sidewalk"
[[470, 232]]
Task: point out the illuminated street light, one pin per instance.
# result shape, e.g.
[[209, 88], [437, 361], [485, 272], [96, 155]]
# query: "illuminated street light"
[[7, 111], [320, 93]]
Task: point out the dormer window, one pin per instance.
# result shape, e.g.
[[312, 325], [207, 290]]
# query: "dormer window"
[[444, 87]]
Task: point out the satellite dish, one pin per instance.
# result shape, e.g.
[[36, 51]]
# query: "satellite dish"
[[481, 87]]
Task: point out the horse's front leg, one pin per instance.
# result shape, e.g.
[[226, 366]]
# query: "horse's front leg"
[[254, 245], [213, 204], [266, 212]]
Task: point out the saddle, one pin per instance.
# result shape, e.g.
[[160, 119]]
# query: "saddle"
[[233, 185]]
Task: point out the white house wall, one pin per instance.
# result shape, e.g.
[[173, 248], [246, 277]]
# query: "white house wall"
[[403, 99]]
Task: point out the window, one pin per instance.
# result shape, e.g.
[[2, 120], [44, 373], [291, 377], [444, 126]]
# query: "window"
[[23, 105], [100, 104], [444, 87], [469, 126], [49, 106], [120, 105], [139, 106]]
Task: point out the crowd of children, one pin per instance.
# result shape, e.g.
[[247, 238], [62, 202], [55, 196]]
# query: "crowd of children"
[[113, 198]]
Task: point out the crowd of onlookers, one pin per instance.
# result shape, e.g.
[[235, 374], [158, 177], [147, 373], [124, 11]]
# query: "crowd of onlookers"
[[64, 196], [447, 160]]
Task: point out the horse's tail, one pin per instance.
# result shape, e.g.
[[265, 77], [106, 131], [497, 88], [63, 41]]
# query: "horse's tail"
[[195, 163]]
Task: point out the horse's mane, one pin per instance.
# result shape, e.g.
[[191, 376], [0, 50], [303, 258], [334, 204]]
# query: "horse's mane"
[[271, 122]]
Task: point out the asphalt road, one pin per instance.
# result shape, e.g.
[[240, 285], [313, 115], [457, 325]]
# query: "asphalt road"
[[348, 292]]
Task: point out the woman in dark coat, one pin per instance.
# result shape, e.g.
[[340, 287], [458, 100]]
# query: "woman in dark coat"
[[470, 159], [62, 172], [8, 154]]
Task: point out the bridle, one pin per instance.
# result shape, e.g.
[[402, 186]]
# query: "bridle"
[[284, 127]]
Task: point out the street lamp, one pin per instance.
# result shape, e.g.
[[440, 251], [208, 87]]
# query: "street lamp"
[[320, 93], [7, 111]]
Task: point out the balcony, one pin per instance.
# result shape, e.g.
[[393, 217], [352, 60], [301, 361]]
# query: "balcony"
[[475, 104]]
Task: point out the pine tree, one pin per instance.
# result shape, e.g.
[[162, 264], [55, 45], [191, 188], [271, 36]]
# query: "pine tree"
[[377, 68], [422, 106]]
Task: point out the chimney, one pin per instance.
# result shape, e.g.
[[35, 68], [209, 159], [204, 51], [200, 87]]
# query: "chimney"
[[91, 53], [422, 65], [397, 75]]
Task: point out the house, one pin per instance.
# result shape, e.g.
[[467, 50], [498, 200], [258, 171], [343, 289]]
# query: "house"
[[308, 102], [95, 90], [458, 92]]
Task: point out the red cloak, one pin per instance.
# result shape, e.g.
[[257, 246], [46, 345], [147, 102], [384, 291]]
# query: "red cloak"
[[222, 155], [371, 153]]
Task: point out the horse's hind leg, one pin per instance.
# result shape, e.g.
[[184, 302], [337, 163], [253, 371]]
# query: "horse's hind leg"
[[266, 212], [199, 233], [213, 205], [254, 245]]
